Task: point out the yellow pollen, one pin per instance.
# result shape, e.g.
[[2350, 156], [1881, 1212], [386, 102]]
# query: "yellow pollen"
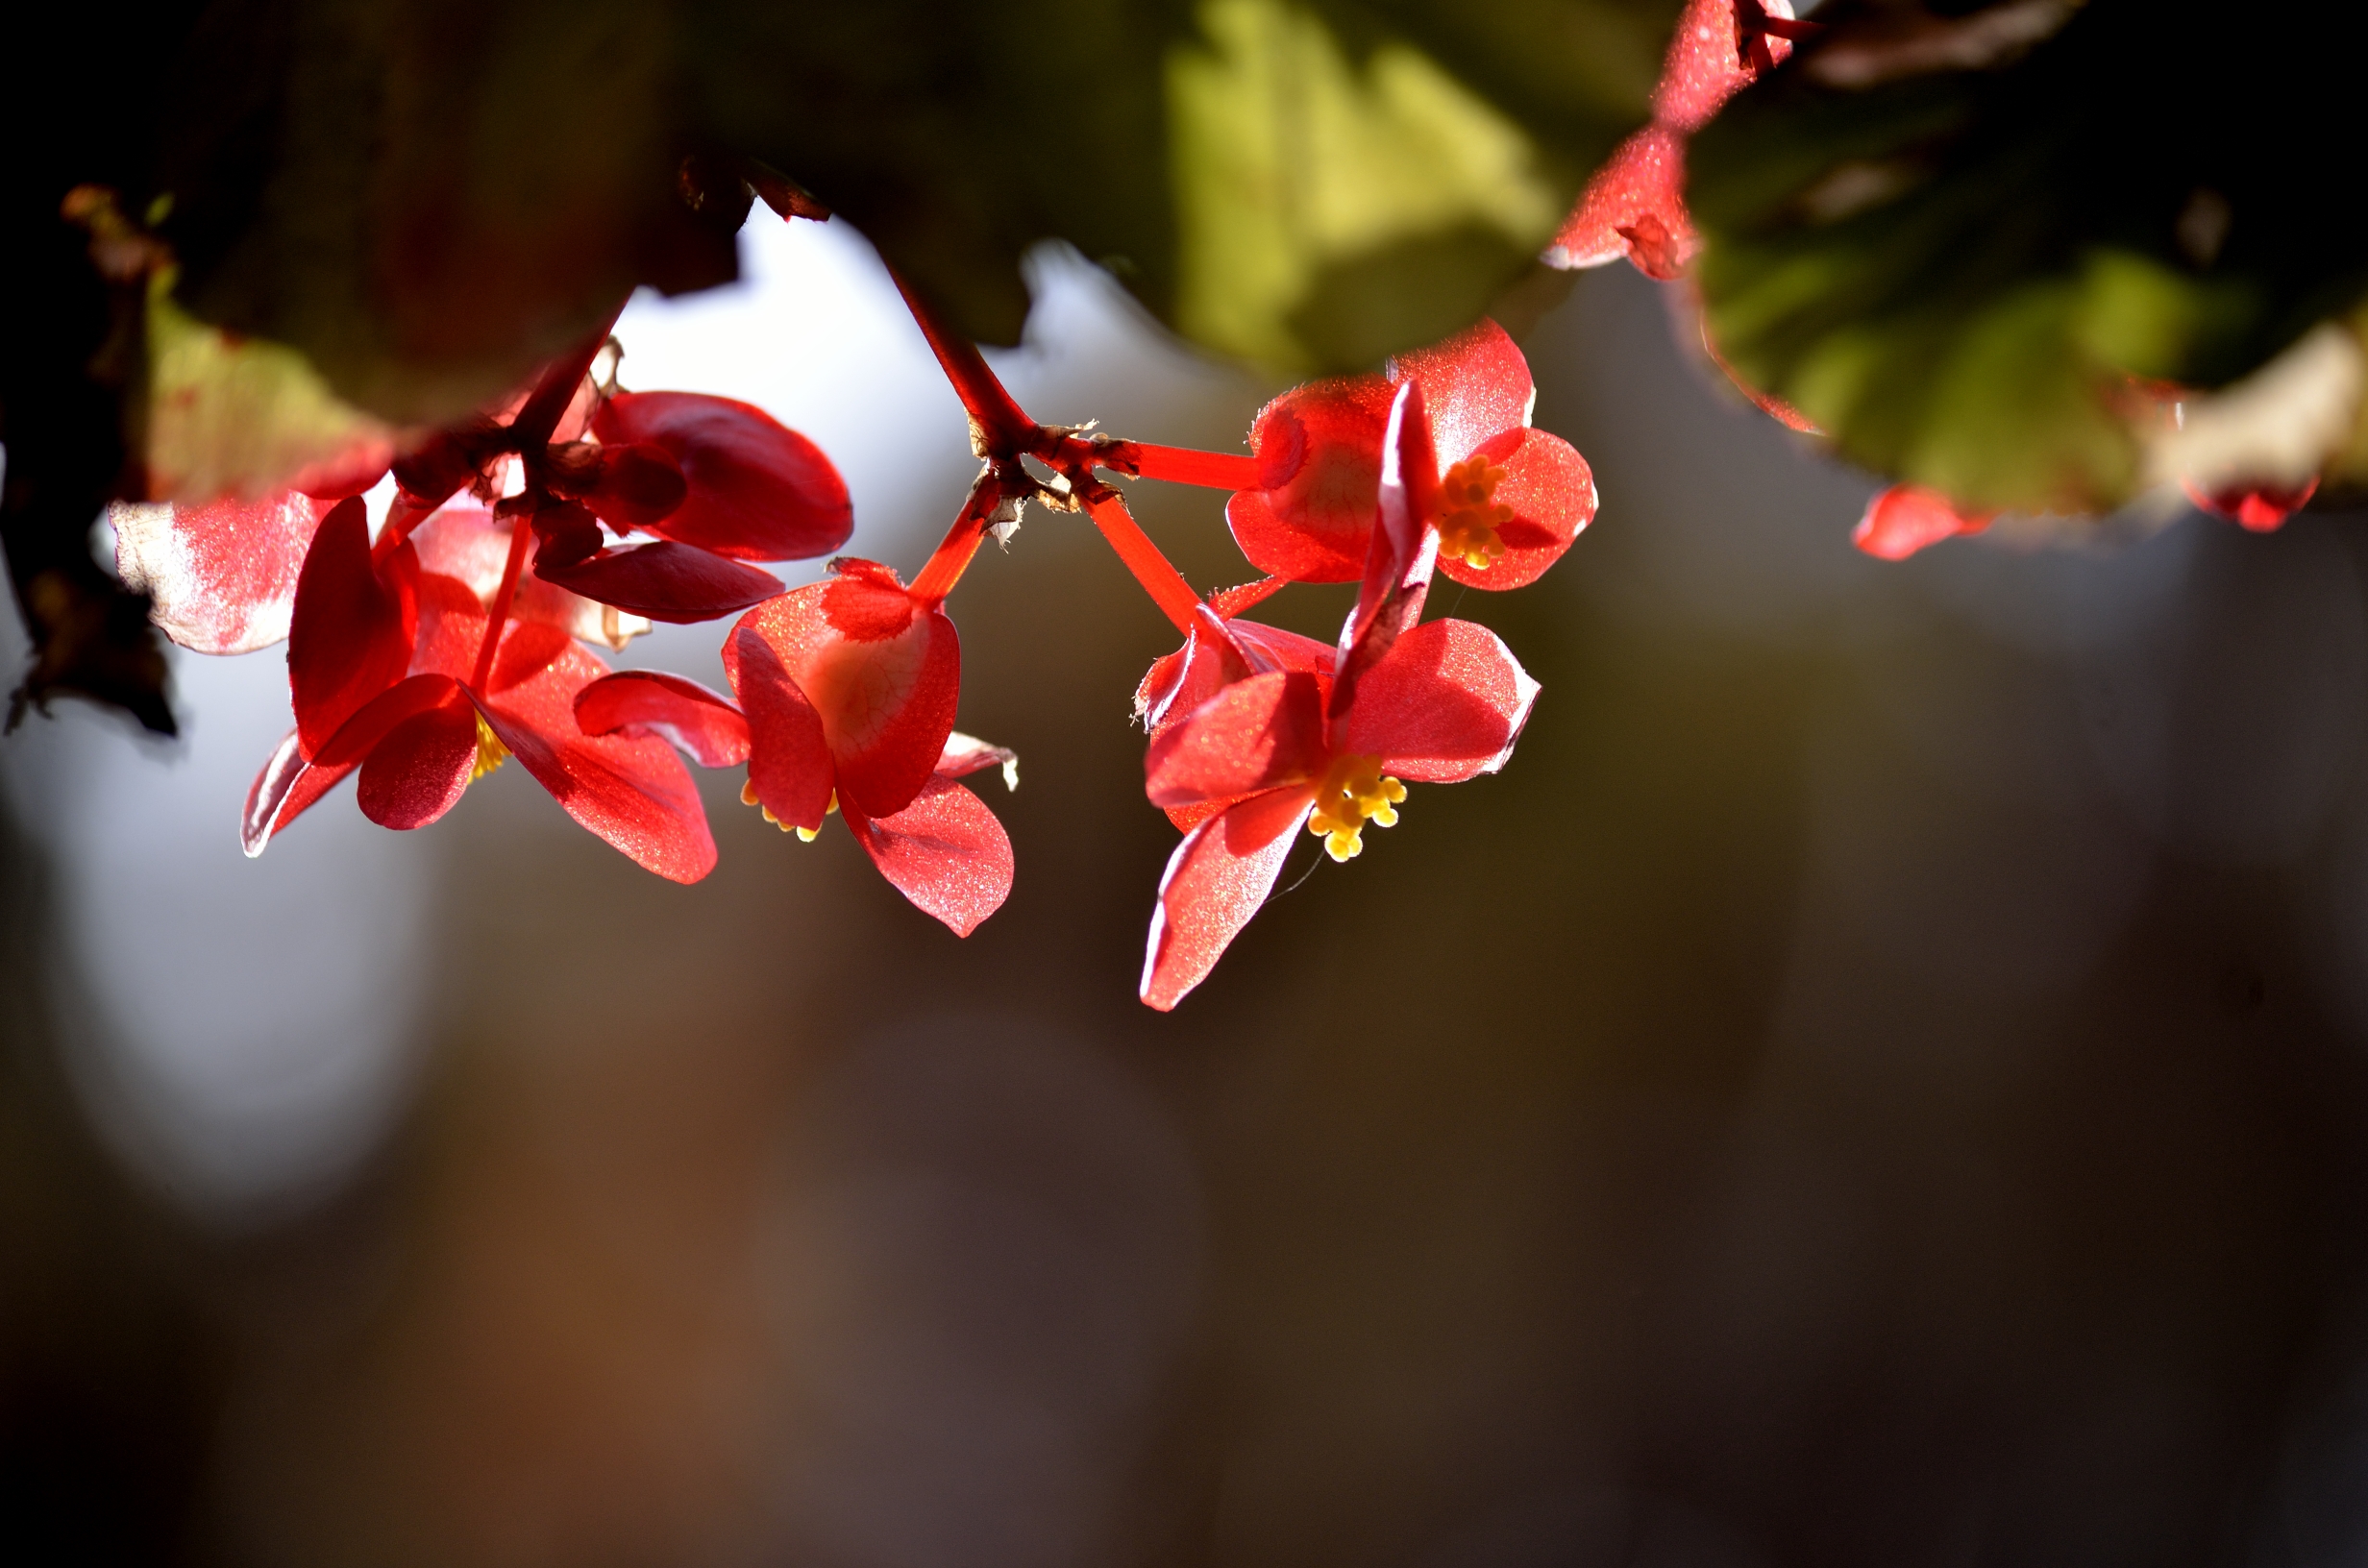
[[1354, 792], [1469, 514], [491, 753], [806, 835]]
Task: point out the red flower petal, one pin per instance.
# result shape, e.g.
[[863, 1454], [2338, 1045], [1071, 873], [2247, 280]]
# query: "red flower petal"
[[634, 794], [1398, 570], [1475, 386], [966, 754], [758, 490], [946, 852], [281, 791], [1445, 707], [1216, 880], [1319, 449], [220, 579], [1257, 734], [1633, 206], [789, 755], [358, 735], [648, 702], [350, 634], [1908, 518], [666, 581], [470, 545], [1552, 493], [417, 771], [640, 486], [1210, 659], [883, 674]]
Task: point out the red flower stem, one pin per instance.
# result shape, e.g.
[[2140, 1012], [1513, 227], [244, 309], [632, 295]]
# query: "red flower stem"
[[520, 532], [1166, 585], [953, 555], [1002, 425], [1182, 465]]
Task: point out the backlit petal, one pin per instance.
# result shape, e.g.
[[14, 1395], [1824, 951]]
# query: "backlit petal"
[[1319, 449], [883, 672], [1257, 734], [681, 584], [758, 490], [1633, 206], [350, 631], [1552, 493], [683, 713], [1216, 880], [1446, 705], [418, 771], [1405, 548], [634, 794], [789, 756], [1475, 386], [946, 852], [281, 791]]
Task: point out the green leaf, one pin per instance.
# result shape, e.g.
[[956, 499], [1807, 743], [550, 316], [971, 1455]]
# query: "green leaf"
[[239, 416], [1954, 239]]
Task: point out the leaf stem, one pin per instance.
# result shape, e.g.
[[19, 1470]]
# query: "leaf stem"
[[520, 532]]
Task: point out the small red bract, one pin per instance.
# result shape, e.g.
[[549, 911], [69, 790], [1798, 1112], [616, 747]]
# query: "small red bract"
[[1908, 518], [2260, 508]]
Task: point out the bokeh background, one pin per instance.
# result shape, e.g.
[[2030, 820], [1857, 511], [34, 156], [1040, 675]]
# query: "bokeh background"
[[1879, 1079]]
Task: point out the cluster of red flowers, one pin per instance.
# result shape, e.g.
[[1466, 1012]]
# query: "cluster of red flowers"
[[422, 658]]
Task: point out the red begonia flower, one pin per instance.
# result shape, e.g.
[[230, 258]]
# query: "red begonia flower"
[[421, 729], [1908, 518], [940, 847], [2260, 508], [1275, 745], [1510, 497], [881, 672], [1635, 206]]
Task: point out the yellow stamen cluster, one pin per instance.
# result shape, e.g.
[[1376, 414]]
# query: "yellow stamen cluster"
[[1353, 792], [1469, 514], [491, 753], [806, 835]]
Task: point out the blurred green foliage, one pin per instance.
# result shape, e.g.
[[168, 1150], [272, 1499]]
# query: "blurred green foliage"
[[1952, 235]]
